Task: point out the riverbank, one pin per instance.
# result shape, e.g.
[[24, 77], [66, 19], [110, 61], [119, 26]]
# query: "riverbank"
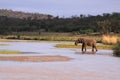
[[62, 44]]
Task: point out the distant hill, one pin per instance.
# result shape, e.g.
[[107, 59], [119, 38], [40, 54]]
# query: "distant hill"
[[23, 15]]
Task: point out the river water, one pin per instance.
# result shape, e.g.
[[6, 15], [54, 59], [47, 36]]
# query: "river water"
[[100, 66]]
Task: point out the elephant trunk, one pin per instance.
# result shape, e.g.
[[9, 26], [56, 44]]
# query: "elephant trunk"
[[76, 43]]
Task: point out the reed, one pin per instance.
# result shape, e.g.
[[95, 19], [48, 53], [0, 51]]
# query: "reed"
[[107, 39]]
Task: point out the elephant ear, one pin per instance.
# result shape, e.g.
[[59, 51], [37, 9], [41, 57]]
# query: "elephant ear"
[[81, 40]]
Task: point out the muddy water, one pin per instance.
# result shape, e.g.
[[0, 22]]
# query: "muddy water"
[[100, 66]]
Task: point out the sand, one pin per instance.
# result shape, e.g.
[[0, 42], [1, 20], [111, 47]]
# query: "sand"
[[35, 58]]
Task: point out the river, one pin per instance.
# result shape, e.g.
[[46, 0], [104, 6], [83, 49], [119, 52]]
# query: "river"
[[99, 66]]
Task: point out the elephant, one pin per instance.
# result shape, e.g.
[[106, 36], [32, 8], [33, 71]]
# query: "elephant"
[[87, 42]]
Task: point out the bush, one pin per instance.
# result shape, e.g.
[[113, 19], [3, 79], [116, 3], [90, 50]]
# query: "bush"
[[88, 31], [107, 39], [13, 37], [117, 49]]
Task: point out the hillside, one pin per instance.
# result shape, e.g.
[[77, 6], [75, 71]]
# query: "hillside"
[[23, 15]]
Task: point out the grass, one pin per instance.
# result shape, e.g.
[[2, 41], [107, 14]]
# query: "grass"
[[4, 44], [46, 37], [99, 46], [107, 39], [51, 36], [9, 52], [117, 49]]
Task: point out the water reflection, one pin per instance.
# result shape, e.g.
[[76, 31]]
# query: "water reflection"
[[99, 52]]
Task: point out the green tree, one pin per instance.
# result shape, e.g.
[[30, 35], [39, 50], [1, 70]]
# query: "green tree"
[[105, 26]]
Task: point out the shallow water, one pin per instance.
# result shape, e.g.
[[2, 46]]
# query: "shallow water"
[[100, 66]]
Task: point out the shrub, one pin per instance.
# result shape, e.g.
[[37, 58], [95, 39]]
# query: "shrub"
[[18, 36], [26, 38], [107, 39], [13, 37], [88, 31], [117, 49]]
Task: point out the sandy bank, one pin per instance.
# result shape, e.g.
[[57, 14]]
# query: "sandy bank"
[[35, 58]]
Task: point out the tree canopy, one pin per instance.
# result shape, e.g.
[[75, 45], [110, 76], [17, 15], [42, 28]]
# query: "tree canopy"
[[11, 22]]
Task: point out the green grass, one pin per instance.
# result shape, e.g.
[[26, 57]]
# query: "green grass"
[[99, 46], [4, 44], [9, 52], [116, 49]]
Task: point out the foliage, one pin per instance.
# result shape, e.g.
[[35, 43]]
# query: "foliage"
[[117, 49], [108, 26], [32, 22], [87, 31], [105, 26]]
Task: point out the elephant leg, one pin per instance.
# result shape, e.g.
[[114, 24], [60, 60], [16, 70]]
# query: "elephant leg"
[[93, 48], [83, 47], [96, 48]]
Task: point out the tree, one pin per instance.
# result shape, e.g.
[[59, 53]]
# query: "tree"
[[105, 26]]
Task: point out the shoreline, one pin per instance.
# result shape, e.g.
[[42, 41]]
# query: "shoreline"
[[61, 44]]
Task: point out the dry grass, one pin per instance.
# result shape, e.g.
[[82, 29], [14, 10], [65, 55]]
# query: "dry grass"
[[107, 39], [50, 37]]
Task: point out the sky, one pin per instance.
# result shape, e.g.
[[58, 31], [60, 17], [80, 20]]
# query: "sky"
[[63, 8]]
